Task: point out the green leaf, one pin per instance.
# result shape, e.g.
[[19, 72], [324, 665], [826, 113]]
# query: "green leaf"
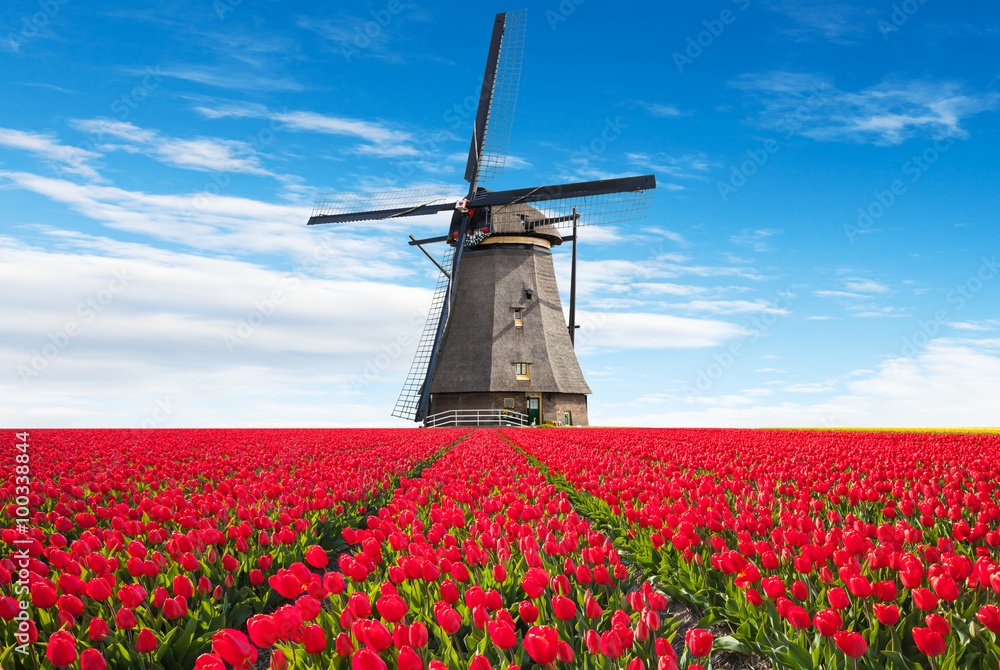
[[728, 643]]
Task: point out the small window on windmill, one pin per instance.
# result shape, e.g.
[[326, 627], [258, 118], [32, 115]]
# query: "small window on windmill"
[[508, 403], [518, 312], [521, 371]]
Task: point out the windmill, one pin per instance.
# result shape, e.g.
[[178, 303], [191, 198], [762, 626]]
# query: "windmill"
[[496, 340]]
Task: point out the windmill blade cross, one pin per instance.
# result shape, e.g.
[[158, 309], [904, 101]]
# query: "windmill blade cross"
[[497, 98]]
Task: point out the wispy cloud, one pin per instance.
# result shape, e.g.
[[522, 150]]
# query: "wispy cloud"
[[71, 160], [658, 109], [231, 79], [885, 114], [690, 166], [755, 239], [840, 23], [200, 153], [381, 140]]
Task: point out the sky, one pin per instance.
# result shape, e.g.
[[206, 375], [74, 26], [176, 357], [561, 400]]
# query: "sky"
[[821, 249]]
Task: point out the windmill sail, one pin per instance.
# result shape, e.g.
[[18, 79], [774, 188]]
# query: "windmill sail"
[[558, 209], [344, 207], [408, 403], [488, 149]]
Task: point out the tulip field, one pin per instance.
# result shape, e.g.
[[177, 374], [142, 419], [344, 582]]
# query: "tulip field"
[[492, 549]]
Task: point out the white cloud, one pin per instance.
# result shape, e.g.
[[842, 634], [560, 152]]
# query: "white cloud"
[[228, 78], [755, 239], [71, 160], [884, 114], [227, 225], [989, 324], [201, 153], [865, 286], [660, 110], [380, 140], [636, 330], [950, 383], [840, 294], [326, 352], [691, 165], [758, 306]]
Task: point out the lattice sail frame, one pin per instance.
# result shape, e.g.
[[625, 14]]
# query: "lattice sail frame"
[[493, 146], [330, 204], [591, 210]]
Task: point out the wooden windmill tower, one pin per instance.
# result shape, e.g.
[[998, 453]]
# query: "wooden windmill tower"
[[496, 338]]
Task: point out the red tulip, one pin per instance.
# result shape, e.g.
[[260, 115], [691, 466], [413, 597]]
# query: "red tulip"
[[798, 617], [938, 623], [97, 630], [563, 607], [480, 662], [929, 641], [828, 622], [888, 615], [278, 660], [502, 635], [313, 639], [527, 611], [699, 641], [593, 641], [989, 616], [234, 647], [125, 619], [611, 644], [407, 659], [541, 643], [344, 645], [851, 643], [209, 662], [61, 650], [366, 659], [145, 642], [263, 631], [43, 596], [418, 635], [447, 618], [316, 556], [837, 598], [924, 599], [91, 659]]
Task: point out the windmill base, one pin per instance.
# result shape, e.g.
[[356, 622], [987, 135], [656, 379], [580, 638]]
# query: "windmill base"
[[554, 407]]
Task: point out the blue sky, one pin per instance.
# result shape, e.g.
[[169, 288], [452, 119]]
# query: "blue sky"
[[821, 249]]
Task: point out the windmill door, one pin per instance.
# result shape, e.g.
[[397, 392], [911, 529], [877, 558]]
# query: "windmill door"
[[534, 410]]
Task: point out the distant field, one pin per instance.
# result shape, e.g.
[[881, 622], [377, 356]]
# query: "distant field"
[[446, 548]]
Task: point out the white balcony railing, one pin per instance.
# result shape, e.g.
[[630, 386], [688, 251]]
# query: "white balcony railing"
[[476, 417]]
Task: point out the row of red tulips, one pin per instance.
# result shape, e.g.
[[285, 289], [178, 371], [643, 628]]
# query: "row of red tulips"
[[480, 563], [140, 545], [817, 547]]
